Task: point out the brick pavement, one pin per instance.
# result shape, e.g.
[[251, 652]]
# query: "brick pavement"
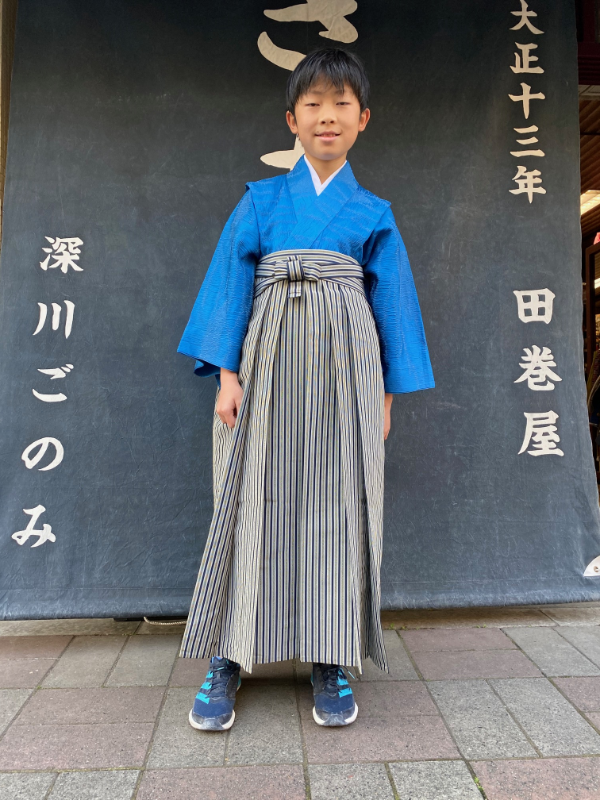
[[496, 703]]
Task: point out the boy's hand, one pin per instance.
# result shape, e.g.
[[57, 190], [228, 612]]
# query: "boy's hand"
[[387, 420], [230, 397]]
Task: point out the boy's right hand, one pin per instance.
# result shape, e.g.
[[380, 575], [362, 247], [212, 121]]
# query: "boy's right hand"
[[230, 397]]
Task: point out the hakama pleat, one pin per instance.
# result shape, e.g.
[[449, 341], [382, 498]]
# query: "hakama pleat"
[[291, 567]]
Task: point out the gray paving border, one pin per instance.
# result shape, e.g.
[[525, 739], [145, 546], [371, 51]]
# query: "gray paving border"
[[555, 614]]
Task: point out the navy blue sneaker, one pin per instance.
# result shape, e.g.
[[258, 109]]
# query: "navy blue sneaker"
[[334, 701], [213, 706]]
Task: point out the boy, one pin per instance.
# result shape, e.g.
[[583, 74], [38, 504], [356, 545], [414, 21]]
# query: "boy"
[[309, 318]]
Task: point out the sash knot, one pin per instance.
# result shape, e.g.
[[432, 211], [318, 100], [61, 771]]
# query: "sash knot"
[[296, 269], [296, 266]]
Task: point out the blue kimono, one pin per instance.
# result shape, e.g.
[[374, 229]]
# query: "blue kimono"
[[285, 213]]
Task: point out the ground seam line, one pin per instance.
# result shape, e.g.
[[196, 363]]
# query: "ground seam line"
[[307, 789], [510, 713], [575, 647], [433, 700], [142, 769]]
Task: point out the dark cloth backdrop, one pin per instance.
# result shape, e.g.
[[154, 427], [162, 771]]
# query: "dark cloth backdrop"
[[134, 126]]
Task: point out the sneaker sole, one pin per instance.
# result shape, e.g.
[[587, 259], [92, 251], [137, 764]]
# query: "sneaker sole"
[[323, 722], [224, 727]]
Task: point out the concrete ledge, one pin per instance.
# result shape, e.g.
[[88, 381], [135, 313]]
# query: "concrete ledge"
[[507, 616]]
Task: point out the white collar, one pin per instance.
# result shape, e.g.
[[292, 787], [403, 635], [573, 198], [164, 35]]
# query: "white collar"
[[319, 187]]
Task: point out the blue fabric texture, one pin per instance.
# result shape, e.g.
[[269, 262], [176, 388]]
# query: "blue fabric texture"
[[285, 213]]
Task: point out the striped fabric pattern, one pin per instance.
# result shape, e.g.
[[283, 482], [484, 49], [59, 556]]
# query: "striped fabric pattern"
[[292, 561]]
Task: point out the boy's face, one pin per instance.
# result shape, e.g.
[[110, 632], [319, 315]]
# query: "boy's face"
[[327, 121]]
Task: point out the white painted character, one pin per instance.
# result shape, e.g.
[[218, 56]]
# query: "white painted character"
[[42, 445], [541, 433], [528, 141], [538, 374], [65, 253], [284, 159], [55, 374], [44, 533], [528, 182], [56, 314], [525, 16], [535, 305], [331, 13], [524, 59], [526, 98]]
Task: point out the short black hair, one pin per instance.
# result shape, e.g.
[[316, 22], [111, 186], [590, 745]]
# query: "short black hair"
[[334, 66]]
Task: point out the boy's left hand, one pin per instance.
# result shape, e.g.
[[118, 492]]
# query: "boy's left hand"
[[387, 420]]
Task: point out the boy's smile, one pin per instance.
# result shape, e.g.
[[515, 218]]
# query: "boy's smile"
[[327, 135], [327, 121]]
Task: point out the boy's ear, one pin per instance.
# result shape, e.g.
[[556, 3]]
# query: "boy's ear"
[[363, 119], [291, 121]]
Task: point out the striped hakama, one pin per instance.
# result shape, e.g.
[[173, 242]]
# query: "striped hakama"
[[292, 561]]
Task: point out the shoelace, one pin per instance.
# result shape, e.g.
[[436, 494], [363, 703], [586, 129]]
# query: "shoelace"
[[217, 680], [333, 678]]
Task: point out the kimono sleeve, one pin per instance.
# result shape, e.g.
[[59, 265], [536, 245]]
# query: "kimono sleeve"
[[393, 298], [219, 320]]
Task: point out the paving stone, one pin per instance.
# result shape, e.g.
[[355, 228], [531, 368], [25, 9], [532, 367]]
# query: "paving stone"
[[383, 700], [189, 672], [401, 668], [543, 779], [66, 627], [16, 647], [349, 782], [464, 618], [267, 726], [303, 671], [594, 718], [405, 738], [117, 785], [582, 692], [92, 706], [380, 733], [11, 700], [553, 655], [406, 698], [243, 783], [574, 615], [435, 780], [74, 746], [24, 673], [19, 786], [177, 744], [145, 661], [453, 665], [86, 662], [586, 639], [479, 722], [278, 670], [462, 639], [550, 721]]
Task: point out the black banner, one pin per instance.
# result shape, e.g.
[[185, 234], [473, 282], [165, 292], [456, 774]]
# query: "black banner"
[[133, 128]]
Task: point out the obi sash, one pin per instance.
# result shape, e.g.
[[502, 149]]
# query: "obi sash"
[[296, 266]]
